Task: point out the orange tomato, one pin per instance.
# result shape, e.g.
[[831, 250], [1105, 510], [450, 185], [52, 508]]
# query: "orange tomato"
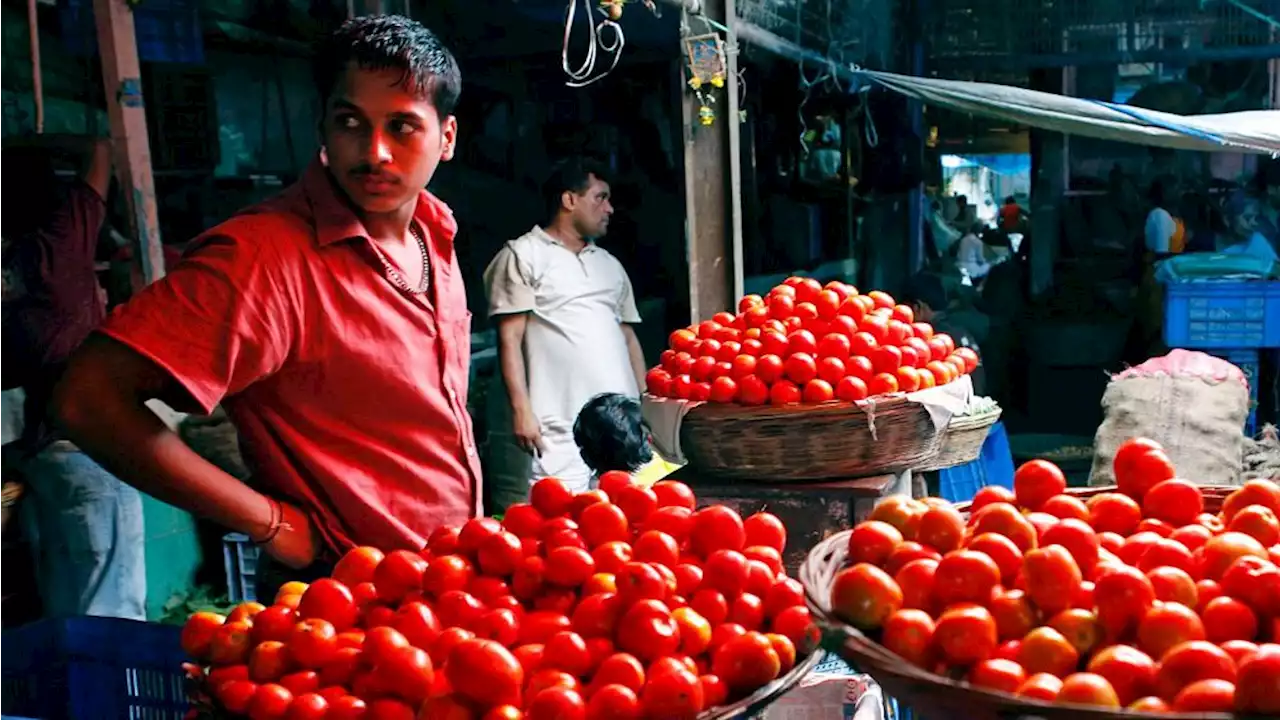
[[1088, 689], [909, 633], [864, 596], [1114, 512], [1166, 625], [1052, 578], [1253, 492], [1079, 627], [1258, 522], [1045, 650], [1002, 551], [1040, 686], [995, 674], [1004, 519], [1189, 662], [965, 576], [966, 634], [1131, 672], [1223, 550], [941, 528], [1014, 614]]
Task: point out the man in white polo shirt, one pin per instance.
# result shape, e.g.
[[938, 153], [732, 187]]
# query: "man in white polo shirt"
[[564, 309]]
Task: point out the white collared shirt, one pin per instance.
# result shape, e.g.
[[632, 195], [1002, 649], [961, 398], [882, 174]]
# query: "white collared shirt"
[[574, 348]]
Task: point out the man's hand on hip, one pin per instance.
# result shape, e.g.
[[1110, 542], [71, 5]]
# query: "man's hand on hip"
[[528, 433]]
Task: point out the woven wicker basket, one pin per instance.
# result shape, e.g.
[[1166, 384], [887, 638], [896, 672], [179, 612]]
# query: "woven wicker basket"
[[962, 440], [809, 442], [931, 695], [204, 707]]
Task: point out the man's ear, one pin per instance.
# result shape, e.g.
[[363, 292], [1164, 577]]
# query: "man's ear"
[[568, 199], [449, 136]]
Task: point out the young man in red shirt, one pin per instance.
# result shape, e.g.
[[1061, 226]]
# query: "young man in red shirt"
[[331, 323]]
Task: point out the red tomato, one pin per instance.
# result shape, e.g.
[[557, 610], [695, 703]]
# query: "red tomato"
[[567, 651], [523, 520], [1001, 550], [746, 662], [269, 701], [676, 694], [965, 634], [604, 522], [1139, 465], [1176, 502], [1227, 618], [613, 701], [1166, 625], [569, 566], [648, 631], [865, 596], [556, 703], [717, 527], [1258, 683], [995, 674], [817, 391], [883, 384], [485, 672], [909, 633], [1189, 662], [965, 576], [1036, 481], [399, 573], [1123, 595], [784, 392]]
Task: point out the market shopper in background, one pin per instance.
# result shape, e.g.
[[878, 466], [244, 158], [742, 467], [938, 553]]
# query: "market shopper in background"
[[1165, 234], [331, 323], [1244, 235], [84, 526], [564, 308]]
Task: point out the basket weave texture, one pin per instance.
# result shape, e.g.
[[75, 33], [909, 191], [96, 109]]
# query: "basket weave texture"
[[809, 442], [962, 440], [934, 696]]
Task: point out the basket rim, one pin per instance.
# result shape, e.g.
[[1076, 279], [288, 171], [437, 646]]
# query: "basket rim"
[[831, 552], [728, 411], [976, 420]]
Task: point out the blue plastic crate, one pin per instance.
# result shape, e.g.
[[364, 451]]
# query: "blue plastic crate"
[[1227, 315], [240, 558], [93, 668], [993, 466], [1249, 362]]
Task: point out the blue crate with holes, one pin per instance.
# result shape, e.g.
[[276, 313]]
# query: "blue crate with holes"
[[93, 668], [240, 559], [1249, 362], [993, 466], [1226, 315]]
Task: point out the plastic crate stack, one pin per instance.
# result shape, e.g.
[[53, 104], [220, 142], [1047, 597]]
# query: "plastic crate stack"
[[240, 559], [1235, 321], [93, 668]]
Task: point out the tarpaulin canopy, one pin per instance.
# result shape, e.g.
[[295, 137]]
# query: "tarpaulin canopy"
[[1255, 131]]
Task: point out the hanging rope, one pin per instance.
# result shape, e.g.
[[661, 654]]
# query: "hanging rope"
[[587, 74]]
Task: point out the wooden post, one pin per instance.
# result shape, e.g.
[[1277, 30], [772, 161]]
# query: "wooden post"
[[708, 222], [122, 82]]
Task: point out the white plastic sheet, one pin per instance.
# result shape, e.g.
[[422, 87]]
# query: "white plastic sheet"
[[1254, 131]]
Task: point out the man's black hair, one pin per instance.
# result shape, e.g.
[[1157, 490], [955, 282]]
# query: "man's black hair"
[[572, 174], [1010, 200], [611, 434], [390, 42]]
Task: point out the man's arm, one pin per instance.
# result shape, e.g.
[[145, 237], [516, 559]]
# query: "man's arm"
[[100, 404], [636, 354], [525, 423]]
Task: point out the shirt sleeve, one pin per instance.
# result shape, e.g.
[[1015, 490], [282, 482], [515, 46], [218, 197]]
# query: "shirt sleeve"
[[223, 318], [1160, 228], [627, 311], [507, 284]]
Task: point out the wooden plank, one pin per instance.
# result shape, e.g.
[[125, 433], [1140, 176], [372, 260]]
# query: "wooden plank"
[[125, 111], [706, 182]]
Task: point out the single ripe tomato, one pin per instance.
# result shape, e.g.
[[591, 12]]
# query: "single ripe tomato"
[[551, 497], [746, 662], [1004, 519], [399, 573], [714, 528], [1036, 481], [1088, 689], [996, 674], [1131, 672], [485, 672], [872, 542], [604, 522], [909, 633], [673, 493], [966, 634], [1040, 686], [1045, 650], [198, 632], [865, 596], [965, 576], [1177, 502], [941, 528], [357, 566], [1139, 464], [1226, 618]]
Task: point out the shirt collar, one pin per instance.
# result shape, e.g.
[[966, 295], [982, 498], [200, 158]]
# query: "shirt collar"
[[550, 239], [335, 221]]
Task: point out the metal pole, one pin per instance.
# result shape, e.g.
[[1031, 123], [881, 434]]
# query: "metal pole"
[[735, 153]]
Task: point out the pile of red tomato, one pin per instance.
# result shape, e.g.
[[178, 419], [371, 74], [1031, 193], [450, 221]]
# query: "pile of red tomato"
[[808, 343], [622, 602], [1136, 598]]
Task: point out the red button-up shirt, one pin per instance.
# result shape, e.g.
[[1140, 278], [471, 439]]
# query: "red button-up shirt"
[[349, 394]]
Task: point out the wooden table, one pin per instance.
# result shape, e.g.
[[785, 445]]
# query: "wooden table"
[[810, 511]]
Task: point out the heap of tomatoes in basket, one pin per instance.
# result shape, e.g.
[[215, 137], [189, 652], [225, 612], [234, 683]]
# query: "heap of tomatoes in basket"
[[808, 343], [1132, 598], [622, 602]]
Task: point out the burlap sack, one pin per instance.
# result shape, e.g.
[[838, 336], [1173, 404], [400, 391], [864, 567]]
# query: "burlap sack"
[[1193, 404]]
